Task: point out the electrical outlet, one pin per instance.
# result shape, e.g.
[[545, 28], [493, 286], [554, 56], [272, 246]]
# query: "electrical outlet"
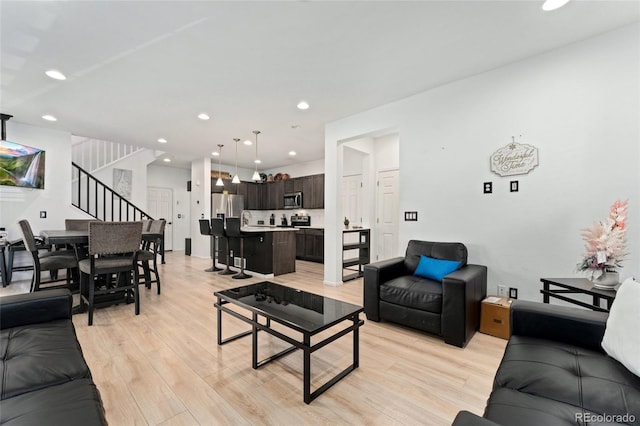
[[43, 214], [513, 292], [502, 291]]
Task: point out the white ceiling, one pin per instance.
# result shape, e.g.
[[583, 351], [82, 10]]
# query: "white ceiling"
[[138, 71]]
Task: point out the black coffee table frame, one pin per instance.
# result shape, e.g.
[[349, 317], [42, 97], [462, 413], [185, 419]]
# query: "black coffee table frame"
[[305, 344]]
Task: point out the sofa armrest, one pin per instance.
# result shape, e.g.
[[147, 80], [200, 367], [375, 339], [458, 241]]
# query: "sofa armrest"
[[465, 418], [376, 274], [578, 327], [462, 293], [33, 308]]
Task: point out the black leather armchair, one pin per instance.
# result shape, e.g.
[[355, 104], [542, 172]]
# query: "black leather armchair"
[[450, 309]]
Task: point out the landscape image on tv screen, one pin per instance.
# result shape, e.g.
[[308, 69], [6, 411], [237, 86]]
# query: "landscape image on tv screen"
[[21, 165]]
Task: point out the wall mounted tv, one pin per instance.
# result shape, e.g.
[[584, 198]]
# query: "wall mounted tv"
[[21, 165]]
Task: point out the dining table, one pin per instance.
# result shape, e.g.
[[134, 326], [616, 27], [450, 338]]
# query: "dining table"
[[60, 237]]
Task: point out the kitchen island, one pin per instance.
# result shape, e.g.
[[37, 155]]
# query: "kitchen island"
[[268, 250]]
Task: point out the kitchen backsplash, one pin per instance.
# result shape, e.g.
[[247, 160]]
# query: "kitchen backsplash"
[[317, 216]]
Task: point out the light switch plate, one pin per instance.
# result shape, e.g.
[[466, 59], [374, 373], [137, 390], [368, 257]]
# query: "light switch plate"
[[43, 214]]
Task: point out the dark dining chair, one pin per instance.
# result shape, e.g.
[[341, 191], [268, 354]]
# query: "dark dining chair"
[[149, 253], [78, 224], [205, 229], [217, 229], [233, 231], [51, 261], [113, 251]]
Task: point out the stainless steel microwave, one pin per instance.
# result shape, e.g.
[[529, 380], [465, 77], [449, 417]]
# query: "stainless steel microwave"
[[293, 200]]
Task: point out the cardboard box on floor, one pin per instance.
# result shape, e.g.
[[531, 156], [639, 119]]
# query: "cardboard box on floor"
[[495, 316]]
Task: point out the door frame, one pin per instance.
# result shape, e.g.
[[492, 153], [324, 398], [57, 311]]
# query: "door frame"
[[169, 224]]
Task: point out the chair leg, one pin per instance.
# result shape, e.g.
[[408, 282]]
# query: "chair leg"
[[83, 289], [136, 293], [241, 275], [213, 268], [227, 270], [36, 277], [92, 285], [147, 273], [157, 273]]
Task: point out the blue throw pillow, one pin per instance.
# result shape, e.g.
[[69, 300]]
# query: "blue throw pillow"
[[435, 269]]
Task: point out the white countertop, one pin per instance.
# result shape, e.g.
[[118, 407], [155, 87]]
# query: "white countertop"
[[266, 228]]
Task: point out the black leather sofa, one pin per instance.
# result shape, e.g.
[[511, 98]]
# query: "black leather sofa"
[[45, 379], [554, 372], [450, 309]]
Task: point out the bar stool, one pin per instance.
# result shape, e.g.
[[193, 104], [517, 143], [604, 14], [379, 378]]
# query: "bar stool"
[[233, 231], [217, 229], [205, 229]]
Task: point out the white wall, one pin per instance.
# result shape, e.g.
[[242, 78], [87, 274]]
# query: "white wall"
[[55, 198], [579, 105], [387, 152], [137, 163], [200, 202], [299, 169], [176, 180]]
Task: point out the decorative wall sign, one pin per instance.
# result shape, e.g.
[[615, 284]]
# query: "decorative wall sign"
[[514, 159], [122, 182]]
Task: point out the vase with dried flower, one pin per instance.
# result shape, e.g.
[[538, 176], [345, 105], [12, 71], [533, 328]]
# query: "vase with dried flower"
[[605, 247]]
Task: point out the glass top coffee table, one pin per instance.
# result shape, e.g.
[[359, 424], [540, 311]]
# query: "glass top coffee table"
[[306, 313]]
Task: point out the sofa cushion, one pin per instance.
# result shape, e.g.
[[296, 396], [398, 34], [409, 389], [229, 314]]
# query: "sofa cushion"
[[39, 355], [72, 403], [435, 269], [558, 380], [621, 338], [436, 250], [413, 292]]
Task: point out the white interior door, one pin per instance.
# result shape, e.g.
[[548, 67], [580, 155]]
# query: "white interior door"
[[160, 206], [352, 199], [387, 215]]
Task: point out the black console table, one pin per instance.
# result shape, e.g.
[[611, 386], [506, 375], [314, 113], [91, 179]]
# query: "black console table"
[[576, 286]]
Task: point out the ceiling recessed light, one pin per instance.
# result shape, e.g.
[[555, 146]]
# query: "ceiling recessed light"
[[203, 116], [215, 153], [162, 140], [248, 142], [257, 161], [303, 105], [49, 117], [550, 5], [292, 153], [56, 75], [167, 160]]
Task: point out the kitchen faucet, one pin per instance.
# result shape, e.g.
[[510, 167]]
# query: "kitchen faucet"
[[245, 215]]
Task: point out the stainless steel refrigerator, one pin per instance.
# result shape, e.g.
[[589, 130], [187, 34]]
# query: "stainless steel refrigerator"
[[229, 205]]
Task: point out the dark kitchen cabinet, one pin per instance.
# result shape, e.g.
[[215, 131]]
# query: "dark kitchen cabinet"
[[231, 188], [289, 186], [253, 201], [270, 195], [300, 244], [310, 245], [313, 192], [275, 195]]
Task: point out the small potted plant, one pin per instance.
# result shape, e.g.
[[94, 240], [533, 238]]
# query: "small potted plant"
[[346, 223]]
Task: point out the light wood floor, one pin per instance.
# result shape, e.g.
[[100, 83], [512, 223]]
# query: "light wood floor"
[[164, 367]]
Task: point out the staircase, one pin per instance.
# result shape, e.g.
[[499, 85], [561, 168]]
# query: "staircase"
[[101, 201], [95, 154]]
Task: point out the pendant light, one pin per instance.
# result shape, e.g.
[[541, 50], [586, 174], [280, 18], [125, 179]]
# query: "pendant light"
[[236, 178], [256, 176], [219, 182]]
